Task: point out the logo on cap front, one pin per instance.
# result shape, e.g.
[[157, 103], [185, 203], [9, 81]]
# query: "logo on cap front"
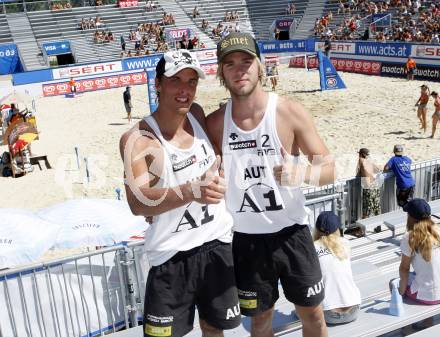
[[232, 41]]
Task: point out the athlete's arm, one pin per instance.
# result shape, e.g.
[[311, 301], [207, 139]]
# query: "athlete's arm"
[[143, 164], [214, 126], [298, 133]]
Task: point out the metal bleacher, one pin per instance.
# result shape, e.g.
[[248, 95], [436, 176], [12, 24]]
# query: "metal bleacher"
[[375, 260], [5, 33], [214, 12]]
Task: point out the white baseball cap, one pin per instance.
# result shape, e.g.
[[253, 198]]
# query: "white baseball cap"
[[174, 61]]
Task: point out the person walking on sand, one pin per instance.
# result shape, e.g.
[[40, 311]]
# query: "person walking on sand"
[[422, 104], [127, 102], [436, 114]]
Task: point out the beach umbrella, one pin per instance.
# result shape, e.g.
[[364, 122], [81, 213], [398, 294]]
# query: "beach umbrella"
[[93, 222], [17, 97], [24, 237], [25, 131]]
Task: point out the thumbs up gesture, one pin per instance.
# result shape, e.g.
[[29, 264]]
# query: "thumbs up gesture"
[[288, 173], [211, 187]]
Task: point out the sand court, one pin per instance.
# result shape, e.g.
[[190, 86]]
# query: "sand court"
[[374, 112]]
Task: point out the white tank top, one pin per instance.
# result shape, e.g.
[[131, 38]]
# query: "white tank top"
[[256, 201], [193, 224]]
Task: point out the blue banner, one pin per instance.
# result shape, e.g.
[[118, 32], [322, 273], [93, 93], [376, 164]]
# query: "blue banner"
[[282, 46], [152, 93], [136, 63], [383, 49], [385, 22], [329, 78], [9, 59], [57, 48], [36, 76]]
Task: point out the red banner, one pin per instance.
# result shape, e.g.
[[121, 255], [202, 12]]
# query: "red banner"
[[209, 69], [298, 62], [351, 66], [127, 3], [97, 83]]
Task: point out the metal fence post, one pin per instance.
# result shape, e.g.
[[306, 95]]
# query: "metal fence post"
[[127, 262]]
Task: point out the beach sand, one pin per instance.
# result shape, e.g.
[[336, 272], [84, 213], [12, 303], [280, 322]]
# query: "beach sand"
[[374, 112]]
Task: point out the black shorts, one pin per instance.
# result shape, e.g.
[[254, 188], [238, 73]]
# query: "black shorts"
[[202, 277], [262, 259], [403, 195]]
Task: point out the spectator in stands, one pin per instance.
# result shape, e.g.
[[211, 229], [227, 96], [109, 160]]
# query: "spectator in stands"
[[186, 43], [196, 12], [422, 104], [436, 114], [122, 43], [237, 27], [410, 68], [195, 41], [202, 45], [420, 249], [277, 34], [205, 24], [400, 165], [342, 296]]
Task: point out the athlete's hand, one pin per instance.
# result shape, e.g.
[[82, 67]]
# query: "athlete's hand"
[[288, 173], [211, 188]]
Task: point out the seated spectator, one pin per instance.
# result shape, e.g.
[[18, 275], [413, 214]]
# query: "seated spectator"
[[195, 41], [228, 16], [420, 249], [205, 24], [196, 12], [342, 296], [129, 54], [186, 43], [237, 27], [202, 45], [149, 6]]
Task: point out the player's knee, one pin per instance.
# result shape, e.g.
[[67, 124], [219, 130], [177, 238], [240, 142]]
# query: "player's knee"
[[209, 331], [312, 317], [262, 323]]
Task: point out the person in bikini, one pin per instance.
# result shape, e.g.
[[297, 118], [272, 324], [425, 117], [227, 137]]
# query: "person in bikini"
[[436, 114], [422, 104]]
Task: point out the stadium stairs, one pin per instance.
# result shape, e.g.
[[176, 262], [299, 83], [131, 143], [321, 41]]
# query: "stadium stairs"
[[315, 9], [214, 12], [5, 33], [262, 13], [182, 20], [23, 37]]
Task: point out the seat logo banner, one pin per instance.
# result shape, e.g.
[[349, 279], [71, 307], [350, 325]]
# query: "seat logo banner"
[[329, 78], [87, 70]]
